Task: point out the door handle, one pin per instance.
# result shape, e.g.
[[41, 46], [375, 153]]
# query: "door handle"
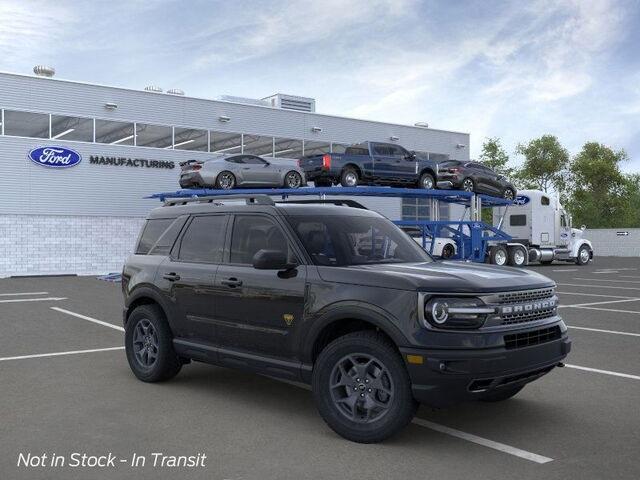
[[232, 282], [172, 277]]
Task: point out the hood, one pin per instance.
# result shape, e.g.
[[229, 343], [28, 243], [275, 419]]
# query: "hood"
[[442, 276]]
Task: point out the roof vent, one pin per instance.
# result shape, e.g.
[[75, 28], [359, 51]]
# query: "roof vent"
[[153, 88], [44, 71], [422, 124], [292, 102], [175, 91]]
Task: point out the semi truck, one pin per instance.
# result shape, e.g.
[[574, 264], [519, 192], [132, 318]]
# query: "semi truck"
[[541, 231]]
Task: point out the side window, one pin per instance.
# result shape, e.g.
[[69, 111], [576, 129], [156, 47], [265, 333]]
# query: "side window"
[[252, 233], [382, 150], [563, 221], [316, 240], [167, 239], [397, 151], [151, 233], [204, 239], [544, 200], [235, 159], [252, 160], [517, 220]]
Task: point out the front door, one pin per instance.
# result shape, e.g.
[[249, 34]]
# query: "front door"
[[188, 276], [257, 171], [564, 230], [256, 310]]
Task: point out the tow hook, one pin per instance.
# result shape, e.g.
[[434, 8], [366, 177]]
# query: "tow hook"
[[560, 364]]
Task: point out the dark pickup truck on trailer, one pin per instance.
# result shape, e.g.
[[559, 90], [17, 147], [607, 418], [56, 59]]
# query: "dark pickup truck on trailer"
[[338, 297], [371, 163]]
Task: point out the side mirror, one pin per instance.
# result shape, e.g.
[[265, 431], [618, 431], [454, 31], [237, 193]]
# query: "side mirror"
[[583, 227], [410, 156], [271, 260]]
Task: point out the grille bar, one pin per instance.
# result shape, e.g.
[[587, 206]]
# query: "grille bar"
[[525, 295], [535, 337]]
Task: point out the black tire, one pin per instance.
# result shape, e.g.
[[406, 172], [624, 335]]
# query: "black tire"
[[349, 177], [584, 255], [516, 260], [323, 183], [448, 251], [292, 180], [498, 255], [400, 407], [166, 364], [221, 180], [468, 185], [501, 394], [508, 194], [427, 181]]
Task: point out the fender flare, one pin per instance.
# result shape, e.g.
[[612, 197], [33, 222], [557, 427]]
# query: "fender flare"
[[146, 291], [580, 243], [351, 311]]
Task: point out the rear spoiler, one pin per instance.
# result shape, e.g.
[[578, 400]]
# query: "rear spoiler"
[[189, 162]]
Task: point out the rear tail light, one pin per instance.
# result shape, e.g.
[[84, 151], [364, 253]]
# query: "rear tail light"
[[196, 166], [299, 162], [453, 170], [326, 161]]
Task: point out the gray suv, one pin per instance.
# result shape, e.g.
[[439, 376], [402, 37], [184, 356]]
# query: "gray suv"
[[337, 297]]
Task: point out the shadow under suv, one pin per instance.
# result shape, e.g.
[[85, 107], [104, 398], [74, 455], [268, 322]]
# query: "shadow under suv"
[[337, 297]]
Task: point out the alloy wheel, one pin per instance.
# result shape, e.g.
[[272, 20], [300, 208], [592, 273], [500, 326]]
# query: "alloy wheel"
[[145, 343], [361, 388], [427, 183], [226, 181], [467, 185], [351, 179], [293, 180], [508, 194]]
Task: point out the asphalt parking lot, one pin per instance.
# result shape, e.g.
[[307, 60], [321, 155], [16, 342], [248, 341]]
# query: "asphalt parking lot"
[[66, 387]]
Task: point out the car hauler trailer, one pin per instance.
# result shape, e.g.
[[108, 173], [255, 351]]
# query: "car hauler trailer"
[[538, 221], [473, 239]]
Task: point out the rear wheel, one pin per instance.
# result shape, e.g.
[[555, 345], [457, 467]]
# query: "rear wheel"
[[225, 180], [427, 182], [293, 179], [517, 256], [468, 185], [362, 389], [504, 393], [149, 345], [508, 194], [349, 177], [448, 251], [584, 255], [498, 255]]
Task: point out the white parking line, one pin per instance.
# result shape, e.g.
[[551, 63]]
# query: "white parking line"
[[22, 293], [605, 331], [606, 309], [592, 303], [606, 372], [608, 280], [45, 299], [598, 286], [593, 295], [58, 354], [89, 319], [566, 270], [533, 457]]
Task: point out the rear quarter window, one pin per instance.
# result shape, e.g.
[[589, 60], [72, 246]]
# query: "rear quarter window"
[[151, 232]]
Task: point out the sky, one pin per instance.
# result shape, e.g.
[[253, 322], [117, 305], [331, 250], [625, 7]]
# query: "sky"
[[514, 70]]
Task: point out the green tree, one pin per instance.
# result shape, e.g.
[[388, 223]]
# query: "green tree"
[[545, 164], [495, 157], [601, 195]]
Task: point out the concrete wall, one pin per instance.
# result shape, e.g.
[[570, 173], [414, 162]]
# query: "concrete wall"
[[613, 241]]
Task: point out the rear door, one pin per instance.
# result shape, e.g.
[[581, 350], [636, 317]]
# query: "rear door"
[[188, 275], [256, 309]]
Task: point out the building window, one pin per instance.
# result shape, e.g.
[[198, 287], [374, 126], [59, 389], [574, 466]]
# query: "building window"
[[257, 145], [419, 209], [226, 142], [156, 136], [316, 148], [287, 148], [71, 128], [26, 124], [190, 139], [114, 133]]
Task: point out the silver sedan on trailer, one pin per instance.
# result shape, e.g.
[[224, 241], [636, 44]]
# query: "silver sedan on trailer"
[[241, 170]]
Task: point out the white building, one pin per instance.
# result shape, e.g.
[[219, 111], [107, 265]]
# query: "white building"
[[85, 219]]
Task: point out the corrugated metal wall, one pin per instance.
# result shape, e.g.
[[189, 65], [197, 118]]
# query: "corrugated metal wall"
[[620, 242]]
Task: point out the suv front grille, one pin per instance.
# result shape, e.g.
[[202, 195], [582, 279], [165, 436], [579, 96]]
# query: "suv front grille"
[[515, 318], [525, 295], [527, 339]]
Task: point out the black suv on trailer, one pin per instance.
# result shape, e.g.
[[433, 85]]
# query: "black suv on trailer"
[[338, 297]]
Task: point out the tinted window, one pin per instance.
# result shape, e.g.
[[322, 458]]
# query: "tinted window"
[[252, 233], [235, 159], [151, 233], [343, 240], [381, 150], [157, 136], [518, 220], [544, 200], [167, 239], [71, 128], [354, 150], [190, 139], [204, 239], [115, 133], [26, 124], [250, 159]]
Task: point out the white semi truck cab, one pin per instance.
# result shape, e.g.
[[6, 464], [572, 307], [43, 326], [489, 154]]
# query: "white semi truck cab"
[[540, 226]]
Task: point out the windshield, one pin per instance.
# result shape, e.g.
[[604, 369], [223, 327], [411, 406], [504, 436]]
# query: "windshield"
[[344, 240]]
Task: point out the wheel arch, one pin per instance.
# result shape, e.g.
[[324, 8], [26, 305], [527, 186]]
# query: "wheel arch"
[[144, 296], [579, 244], [355, 167]]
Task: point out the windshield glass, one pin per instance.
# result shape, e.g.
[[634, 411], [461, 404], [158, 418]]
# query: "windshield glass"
[[344, 240]]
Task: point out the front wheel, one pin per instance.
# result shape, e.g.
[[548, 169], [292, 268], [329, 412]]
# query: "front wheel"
[[427, 181], [362, 389], [149, 345], [448, 251], [293, 179], [468, 185], [504, 393], [584, 255], [508, 194]]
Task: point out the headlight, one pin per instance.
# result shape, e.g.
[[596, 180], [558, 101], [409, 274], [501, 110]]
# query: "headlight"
[[455, 312]]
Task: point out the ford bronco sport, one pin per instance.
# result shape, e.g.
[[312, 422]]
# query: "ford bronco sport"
[[337, 297]]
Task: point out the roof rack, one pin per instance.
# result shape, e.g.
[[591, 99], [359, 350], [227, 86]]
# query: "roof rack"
[[251, 199], [338, 202]]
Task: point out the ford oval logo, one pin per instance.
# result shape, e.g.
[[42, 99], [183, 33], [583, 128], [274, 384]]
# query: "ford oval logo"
[[521, 200], [55, 157]]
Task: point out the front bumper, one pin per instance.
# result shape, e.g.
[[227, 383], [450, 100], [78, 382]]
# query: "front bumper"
[[449, 376]]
